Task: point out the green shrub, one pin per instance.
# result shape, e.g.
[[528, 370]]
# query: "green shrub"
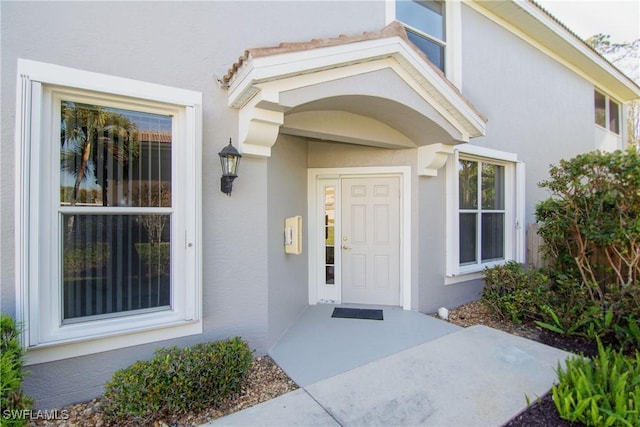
[[591, 226], [514, 293], [569, 310], [591, 232], [176, 381], [627, 332], [12, 397], [603, 392]]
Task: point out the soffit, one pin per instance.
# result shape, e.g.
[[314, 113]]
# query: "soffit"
[[415, 126], [533, 23], [379, 95], [262, 84]]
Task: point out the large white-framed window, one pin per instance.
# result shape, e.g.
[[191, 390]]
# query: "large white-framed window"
[[109, 254], [435, 28], [485, 210]]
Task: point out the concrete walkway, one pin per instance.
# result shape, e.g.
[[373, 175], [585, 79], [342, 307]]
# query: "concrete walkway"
[[476, 376]]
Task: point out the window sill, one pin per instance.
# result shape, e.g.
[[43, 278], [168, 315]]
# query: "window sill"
[[472, 272], [63, 350], [463, 277], [607, 130]]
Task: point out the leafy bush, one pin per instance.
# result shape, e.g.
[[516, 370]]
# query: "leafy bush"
[[569, 310], [604, 392], [591, 232], [514, 293], [12, 397], [628, 332], [177, 380]]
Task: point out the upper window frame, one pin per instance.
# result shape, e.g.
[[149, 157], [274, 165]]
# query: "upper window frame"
[[453, 37], [39, 86], [438, 40], [608, 101]]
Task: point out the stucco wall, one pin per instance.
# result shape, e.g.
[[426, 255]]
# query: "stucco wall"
[[433, 293], [186, 45], [287, 197], [536, 107]]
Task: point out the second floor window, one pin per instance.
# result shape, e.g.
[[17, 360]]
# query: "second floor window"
[[607, 112], [425, 24]]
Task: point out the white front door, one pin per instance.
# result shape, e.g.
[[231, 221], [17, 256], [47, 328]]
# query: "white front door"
[[370, 240]]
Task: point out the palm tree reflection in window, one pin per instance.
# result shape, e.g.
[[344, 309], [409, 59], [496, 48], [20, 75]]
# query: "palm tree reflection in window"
[[114, 261]]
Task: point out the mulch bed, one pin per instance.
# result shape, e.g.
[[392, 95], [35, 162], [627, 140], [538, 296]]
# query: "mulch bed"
[[542, 413]]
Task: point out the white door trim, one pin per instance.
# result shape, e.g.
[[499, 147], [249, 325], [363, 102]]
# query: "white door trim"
[[316, 243]]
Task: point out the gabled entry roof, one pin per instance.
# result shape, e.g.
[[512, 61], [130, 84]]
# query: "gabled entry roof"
[[319, 89]]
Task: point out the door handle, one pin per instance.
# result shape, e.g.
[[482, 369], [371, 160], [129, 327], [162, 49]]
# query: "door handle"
[[345, 247]]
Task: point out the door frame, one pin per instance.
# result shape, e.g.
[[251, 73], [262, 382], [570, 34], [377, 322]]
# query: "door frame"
[[315, 179]]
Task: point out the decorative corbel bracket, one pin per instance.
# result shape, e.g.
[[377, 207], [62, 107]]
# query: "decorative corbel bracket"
[[432, 157], [259, 128]]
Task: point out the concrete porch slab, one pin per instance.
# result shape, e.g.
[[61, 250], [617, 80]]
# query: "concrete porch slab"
[[318, 346]]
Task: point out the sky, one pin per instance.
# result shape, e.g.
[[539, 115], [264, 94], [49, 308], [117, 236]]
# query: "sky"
[[618, 18]]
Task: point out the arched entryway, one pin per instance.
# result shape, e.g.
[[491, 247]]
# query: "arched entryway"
[[371, 90]]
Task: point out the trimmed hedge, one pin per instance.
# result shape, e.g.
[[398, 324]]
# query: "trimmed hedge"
[[178, 380], [515, 294]]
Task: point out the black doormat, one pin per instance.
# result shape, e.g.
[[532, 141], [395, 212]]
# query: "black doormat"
[[357, 313]]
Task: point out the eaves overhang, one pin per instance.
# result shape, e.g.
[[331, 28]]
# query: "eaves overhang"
[[534, 24], [257, 82]]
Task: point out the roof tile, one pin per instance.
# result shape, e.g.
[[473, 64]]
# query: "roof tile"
[[394, 29]]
